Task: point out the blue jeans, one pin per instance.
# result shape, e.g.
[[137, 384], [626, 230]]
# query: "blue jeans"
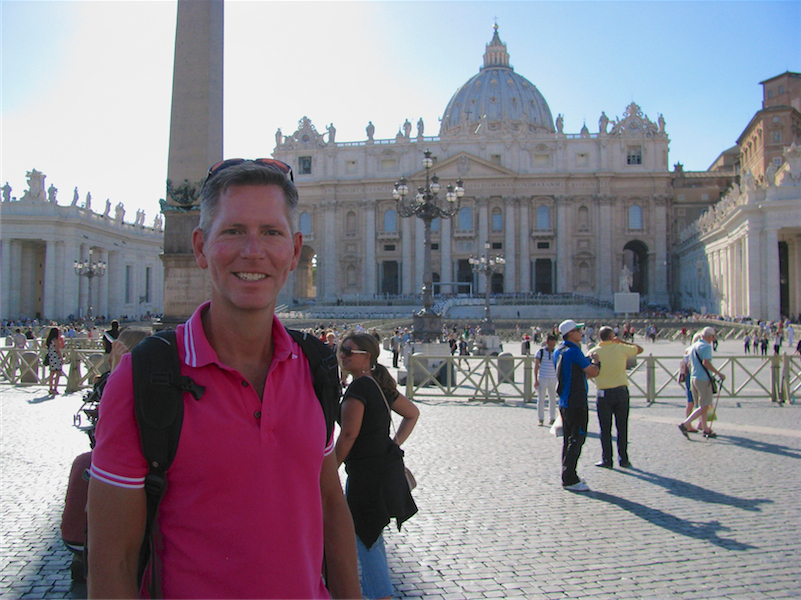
[[373, 569]]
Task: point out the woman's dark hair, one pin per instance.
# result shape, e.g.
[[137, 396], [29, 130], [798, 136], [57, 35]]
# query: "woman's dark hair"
[[53, 334], [365, 341]]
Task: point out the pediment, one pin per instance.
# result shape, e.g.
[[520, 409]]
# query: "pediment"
[[464, 165]]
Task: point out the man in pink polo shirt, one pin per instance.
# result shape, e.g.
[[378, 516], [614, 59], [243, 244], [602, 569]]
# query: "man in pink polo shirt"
[[253, 496]]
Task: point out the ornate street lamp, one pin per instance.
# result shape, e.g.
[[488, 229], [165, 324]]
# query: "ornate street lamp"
[[426, 205], [90, 270], [487, 265]]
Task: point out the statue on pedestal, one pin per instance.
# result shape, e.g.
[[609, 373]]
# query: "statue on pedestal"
[[370, 131], [332, 133], [420, 127], [88, 204], [407, 129], [75, 197], [626, 279], [51, 193], [603, 123], [7, 193], [560, 123]]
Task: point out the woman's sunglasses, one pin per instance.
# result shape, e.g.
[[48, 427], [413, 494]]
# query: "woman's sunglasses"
[[268, 162], [346, 351]]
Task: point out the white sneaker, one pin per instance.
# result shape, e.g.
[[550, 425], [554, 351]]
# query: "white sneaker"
[[578, 487]]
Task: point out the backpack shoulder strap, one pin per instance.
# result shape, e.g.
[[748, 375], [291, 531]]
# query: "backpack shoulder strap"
[[325, 375], [158, 404]]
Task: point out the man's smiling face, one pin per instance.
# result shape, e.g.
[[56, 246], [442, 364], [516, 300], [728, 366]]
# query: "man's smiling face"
[[250, 248]]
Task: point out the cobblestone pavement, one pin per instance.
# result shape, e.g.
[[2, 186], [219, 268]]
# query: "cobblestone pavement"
[[693, 519]]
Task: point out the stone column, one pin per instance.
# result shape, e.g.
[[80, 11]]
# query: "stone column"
[[658, 291], [483, 220], [5, 289], [563, 270], [49, 292], [15, 280], [607, 267], [772, 285], [102, 284], [329, 256], [407, 283], [753, 275], [525, 247], [510, 252], [370, 241], [83, 284], [446, 268]]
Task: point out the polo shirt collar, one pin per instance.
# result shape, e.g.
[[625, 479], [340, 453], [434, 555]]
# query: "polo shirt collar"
[[199, 353]]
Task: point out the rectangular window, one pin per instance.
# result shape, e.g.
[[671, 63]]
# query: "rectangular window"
[[634, 155], [543, 245], [497, 221], [777, 136], [497, 245], [147, 283], [389, 164], [495, 159], [304, 165], [389, 247], [434, 246], [350, 166], [542, 160], [128, 284], [583, 159]]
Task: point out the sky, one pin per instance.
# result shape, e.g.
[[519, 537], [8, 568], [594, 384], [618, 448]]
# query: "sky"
[[85, 88]]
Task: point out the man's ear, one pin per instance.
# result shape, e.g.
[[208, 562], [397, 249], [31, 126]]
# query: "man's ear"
[[198, 246]]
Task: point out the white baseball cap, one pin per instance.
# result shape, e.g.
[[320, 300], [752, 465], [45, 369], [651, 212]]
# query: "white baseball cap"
[[566, 327]]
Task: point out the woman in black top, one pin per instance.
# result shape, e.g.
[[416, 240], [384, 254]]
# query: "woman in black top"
[[377, 489]]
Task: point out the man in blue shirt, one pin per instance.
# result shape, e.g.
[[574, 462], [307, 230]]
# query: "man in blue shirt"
[[572, 371]]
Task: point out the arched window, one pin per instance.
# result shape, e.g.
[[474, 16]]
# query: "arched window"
[[497, 219], [635, 217], [350, 223], [435, 224], [466, 218], [543, 217], [583, 218], [391, 220], [305, 223]]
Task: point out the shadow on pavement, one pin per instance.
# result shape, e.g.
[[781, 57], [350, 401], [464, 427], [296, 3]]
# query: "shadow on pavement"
[[40, 399], [695, 529], [691, 491], [760, 446]]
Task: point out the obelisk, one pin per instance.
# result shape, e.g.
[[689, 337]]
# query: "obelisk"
[[196, 142]]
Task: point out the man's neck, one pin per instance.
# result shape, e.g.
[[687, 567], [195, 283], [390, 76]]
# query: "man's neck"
[[240, 337]]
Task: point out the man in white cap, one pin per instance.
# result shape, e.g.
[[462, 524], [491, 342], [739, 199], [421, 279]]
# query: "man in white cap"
[[572, 371], [701, 370]]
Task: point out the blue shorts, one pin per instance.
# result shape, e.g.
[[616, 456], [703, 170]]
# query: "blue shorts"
[[373, 569]]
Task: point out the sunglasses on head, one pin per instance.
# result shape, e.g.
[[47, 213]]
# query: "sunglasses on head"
[[268, 162], [346, 351]]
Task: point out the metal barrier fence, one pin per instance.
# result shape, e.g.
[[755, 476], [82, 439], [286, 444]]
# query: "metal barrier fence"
[[501, 378], [28, 366], [483, 378]]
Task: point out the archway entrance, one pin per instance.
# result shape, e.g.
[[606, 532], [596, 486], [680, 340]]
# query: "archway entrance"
[[306, 275], [635, 257]]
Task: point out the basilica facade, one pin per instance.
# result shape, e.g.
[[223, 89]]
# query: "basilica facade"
[[566, 210], [42, 240]]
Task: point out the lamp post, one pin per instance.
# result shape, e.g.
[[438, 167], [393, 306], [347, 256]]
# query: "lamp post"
[[487, 265], [90, 270], [426, 205]]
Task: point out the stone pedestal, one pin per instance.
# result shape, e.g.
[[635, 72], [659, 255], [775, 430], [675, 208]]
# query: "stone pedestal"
[[627, 302]]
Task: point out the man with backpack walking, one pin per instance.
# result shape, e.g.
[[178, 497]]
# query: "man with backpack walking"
[[701, 382], [253, 505]]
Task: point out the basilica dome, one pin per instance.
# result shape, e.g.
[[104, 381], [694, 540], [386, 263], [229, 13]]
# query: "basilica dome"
[[496, 102]]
